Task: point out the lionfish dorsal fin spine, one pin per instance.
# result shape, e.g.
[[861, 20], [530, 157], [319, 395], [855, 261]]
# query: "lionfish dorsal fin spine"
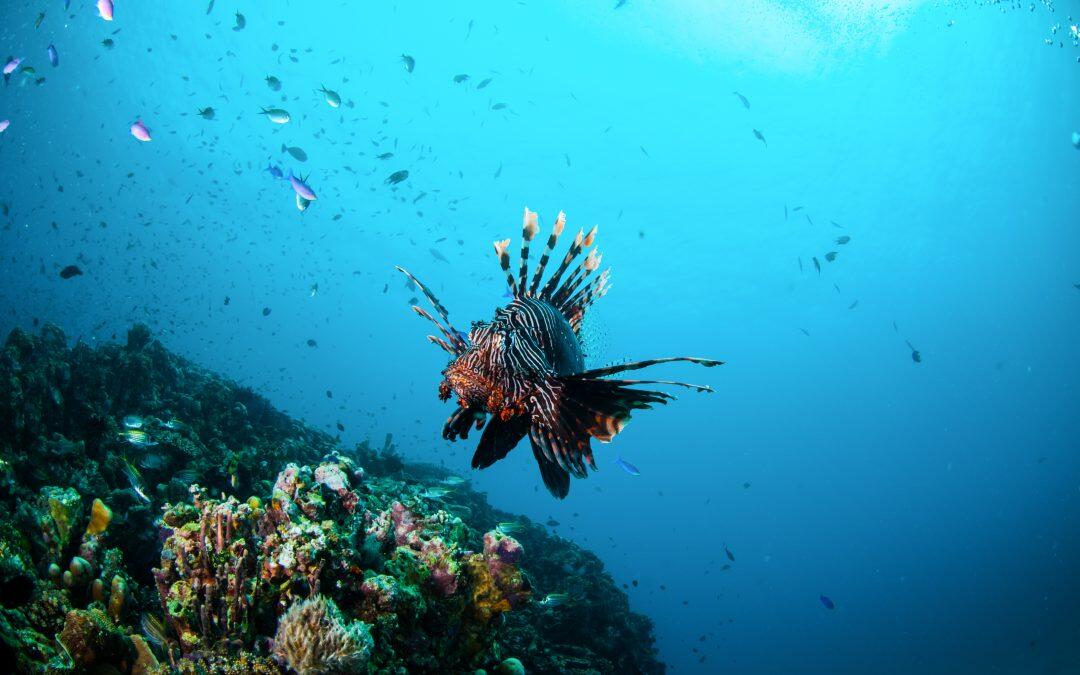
[[503, 253], [571, 253], [529, 229], [553, 238]]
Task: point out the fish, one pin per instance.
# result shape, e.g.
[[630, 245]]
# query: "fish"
[[435, 492], [620, 3], [745, 102], [916, 356], [830, 256], [105, 9], [135, 480], [627, 466], [728, 553], [825, 600], [133, 422], [409, 62], [266, 311], [38, 20], [483, 83], [274, 171], [138, 438], [454, 481], [174, 424], [273, 83], [509, 528], [70, 271], [435, 253], [1076, 139], [206, 113], [11, 64], [297, 153], [458, 79], [241, 22], [384, 156], [54, 56], [555, 600], [396, 177], [301, 187], [140, 131], [332, 98], [4, 124], [107, 43], [817, 265], [276, 115], [843, 240], [853, 305], [210, 7], [761, 137], [526, 367], [312, 343], [313, 291]]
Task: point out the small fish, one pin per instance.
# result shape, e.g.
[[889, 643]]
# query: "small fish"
[[435, 253], [458, 79], [830, 256], [761, 137], [384, 156], [70, 271], [38, 20], [809, 220], [435, 492], [312, 343], [499, 106], [314, 290], [397, 177], [453, 481], [133, 422], [620, 3], [746, 103], [332, 98], [555, 600], [409, 62], [174, 425], [140, 132], [105, 9], [551, 522], [274, 171], [729, 554], [266, 311], [301, 187], [829, 604], [627, 466], [836, 224], [138, 438], [915, 355], [805, 332], [817, 265], [853, 305], [843, 240], [273, 83], [483, 83], [135, 480], [240, 22], [509, 528], [4, 124], [206, 113], [297, 153], [276, 115], [108, 43], [11, 64], [54, 57]]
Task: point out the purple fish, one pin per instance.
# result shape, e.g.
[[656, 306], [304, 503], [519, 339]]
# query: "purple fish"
[[12, 63], [301, 187], [105, 9], [627, 466], [140, 132], [54, 58], [829, 604], [274, 171], [4, 124]]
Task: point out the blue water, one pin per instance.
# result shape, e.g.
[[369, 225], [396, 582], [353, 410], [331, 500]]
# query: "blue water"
[[936, 503]]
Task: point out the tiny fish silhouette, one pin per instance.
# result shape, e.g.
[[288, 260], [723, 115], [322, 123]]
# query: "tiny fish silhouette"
[[829, 604], [70, 271], [627, 466], [746, 103], [761, 137]]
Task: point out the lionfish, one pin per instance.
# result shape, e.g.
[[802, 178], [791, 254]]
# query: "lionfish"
[[523, 373]]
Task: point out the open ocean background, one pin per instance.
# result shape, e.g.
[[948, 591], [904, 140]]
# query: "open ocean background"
[[936, 503]]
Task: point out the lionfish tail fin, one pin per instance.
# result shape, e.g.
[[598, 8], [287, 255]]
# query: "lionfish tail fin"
[[453, 340]]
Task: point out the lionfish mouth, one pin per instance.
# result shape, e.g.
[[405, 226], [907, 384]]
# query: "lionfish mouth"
[[523, 373]]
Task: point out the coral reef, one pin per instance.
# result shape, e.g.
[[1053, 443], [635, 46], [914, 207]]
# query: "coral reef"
[[195, 529]]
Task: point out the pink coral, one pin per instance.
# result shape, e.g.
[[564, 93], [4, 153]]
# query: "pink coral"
[[506, 549]]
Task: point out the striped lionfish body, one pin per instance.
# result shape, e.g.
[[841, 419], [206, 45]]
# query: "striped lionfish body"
[[523, 373]]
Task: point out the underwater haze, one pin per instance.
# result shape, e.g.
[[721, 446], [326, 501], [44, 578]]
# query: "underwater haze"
[[868, 210]]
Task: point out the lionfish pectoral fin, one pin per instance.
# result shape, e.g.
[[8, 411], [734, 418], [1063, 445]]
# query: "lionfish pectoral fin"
[[461, 422], [602, 408], [498, 439], [556, 479]]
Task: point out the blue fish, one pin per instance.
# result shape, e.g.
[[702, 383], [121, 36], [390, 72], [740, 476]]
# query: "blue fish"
[[54, 57], [627, 466], [275, 171], [829, 604]]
